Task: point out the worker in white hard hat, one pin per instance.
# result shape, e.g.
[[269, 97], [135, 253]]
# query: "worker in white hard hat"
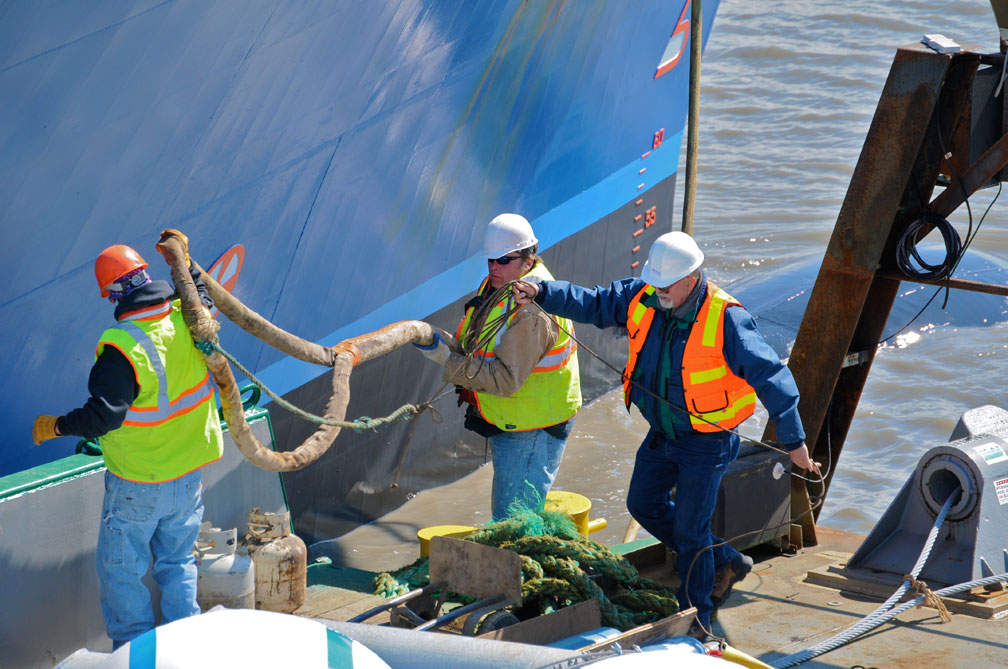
[[517, 367], [696, 366]]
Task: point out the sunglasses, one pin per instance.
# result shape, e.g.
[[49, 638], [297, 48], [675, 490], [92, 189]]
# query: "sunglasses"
[[503, 260]]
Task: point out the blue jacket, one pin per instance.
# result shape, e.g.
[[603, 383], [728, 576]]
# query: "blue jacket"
[[746, 352]]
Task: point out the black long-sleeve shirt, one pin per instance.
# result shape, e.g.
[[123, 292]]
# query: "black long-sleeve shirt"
[[112, 381]]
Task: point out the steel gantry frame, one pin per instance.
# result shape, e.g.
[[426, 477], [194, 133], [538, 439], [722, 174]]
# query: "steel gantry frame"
[[938, 123]]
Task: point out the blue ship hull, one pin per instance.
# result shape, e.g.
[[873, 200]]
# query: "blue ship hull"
[[356, 151]]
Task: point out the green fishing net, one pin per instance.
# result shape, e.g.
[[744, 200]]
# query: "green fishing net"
[[560, 567]]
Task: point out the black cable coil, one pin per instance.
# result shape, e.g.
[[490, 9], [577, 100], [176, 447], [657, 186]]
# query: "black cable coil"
[[906, 248]]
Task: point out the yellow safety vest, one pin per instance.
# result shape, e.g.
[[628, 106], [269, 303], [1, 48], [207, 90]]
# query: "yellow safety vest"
[[552, 392], [711, 390], [172, 427]]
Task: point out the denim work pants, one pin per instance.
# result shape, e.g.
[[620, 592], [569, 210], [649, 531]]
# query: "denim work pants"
[[525, 464], [694, 466], [140, 520]]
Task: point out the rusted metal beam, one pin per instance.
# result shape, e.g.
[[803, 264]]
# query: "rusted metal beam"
[[851, 379], [960, 284], [895, 139], [951, 115], [877, 184], [955, 103], [979, 173], [923, 178], [954, 111]]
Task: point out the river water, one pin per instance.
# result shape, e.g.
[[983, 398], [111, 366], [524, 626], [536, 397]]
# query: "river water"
[[789, 90]]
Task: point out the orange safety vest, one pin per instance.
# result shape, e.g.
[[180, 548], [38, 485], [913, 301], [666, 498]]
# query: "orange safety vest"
[[711, 390]]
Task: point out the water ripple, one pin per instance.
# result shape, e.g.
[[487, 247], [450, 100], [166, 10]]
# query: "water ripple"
[[786, 101]]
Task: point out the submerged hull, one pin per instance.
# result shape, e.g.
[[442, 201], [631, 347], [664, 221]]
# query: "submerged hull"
[[355, 151]]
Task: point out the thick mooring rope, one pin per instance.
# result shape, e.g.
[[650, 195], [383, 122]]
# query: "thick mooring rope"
[[341, 358], [403, 413], [559, 568]]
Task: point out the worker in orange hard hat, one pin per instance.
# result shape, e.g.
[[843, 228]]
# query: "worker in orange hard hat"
[[153, 411], [120, 269]]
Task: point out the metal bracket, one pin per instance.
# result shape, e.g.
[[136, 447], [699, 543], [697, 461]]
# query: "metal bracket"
[[489, 603], [401, 599]]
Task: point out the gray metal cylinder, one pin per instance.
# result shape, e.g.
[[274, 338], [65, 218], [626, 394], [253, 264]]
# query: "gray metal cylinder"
[[949, 471], [973, 539]]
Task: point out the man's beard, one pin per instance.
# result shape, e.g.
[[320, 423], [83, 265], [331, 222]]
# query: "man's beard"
[[666, 303]]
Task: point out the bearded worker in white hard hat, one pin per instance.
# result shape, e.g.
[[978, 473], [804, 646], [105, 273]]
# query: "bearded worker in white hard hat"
[[697, 364], [518, 369]]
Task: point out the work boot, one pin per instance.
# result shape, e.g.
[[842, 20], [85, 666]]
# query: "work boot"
[[726, 578], [700, 634]]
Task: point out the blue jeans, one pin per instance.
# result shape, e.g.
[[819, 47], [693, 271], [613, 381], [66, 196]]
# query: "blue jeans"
[[140, 520], [694, 466], [525, 464]]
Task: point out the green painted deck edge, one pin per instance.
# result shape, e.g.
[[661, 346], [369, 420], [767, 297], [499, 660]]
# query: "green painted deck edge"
[[623, 549], [77, 465], [49, 474]]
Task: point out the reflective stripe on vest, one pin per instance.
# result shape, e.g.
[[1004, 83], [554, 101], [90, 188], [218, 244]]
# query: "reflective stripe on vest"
[[552, 392], [710, 389], [171, 427], [639, 320], [555, 359], [470, 311], [165, 410]]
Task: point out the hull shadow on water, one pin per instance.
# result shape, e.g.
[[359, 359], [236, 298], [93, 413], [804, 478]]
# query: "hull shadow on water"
[[778, 300]]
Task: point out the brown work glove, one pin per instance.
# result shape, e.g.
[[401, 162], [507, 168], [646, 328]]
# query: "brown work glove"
[[172, 232], [44, 428]]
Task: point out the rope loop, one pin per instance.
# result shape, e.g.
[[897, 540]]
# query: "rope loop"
[[930, 598], [436, 416]]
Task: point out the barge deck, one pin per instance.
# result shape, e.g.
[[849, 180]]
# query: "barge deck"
[[789, 602]]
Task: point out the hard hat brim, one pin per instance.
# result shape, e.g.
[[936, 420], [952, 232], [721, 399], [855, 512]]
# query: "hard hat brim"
[[494, 253], [649, 276]]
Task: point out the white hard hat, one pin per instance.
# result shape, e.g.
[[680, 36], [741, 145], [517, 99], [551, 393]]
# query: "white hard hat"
[[506, 234], [673, 256]]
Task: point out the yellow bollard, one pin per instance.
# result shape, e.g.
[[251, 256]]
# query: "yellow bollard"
[[576, 506], [425, 534]]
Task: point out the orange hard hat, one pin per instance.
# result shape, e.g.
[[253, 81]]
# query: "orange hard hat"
[[115, 262]]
